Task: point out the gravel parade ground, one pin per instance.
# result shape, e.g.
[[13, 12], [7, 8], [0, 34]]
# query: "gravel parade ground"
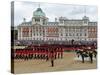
[[39, 65]]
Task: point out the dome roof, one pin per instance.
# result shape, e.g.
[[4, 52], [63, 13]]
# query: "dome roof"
[[38, 13]]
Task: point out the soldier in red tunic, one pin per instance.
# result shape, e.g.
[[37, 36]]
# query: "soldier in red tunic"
[[58, 50], [35, 53], [47, 54], [61, 52], [41, 53], [55, 53], [38, 53]]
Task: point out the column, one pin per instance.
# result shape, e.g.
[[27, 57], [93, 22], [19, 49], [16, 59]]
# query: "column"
[[21, 33], [29, 34], [45, 34], [18, 33], [64, 35], [32, 33]]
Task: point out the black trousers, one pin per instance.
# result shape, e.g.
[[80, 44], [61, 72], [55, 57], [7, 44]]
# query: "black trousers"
[[52, 63], [82, 58], [91, 59]]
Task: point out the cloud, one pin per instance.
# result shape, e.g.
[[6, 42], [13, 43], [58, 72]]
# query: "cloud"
[[26, 9]]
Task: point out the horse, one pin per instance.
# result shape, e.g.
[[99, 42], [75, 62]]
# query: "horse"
[[86, 54]]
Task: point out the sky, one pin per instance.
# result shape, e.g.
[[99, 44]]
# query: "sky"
[[52, 11]]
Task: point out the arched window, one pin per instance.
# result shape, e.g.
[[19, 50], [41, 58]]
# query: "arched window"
[[43, 22]]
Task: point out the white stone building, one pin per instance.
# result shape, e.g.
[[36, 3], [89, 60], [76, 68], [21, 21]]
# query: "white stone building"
[[62, 29]]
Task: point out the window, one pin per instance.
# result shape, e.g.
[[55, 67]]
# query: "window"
[[37, 20], [37, 38], [80, 34], [66, 34], [93, 29], [69, 34], [73, 34], [40, 34], [34, 34], [61, 21], [85, 34], [77, 34], [61, 34], [85, 21], [43, 22]]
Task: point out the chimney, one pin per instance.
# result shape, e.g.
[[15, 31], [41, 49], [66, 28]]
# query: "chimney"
[[55, 19], [24, 19]]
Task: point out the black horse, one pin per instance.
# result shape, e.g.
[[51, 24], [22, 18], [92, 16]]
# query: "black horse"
[[85, 54]]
